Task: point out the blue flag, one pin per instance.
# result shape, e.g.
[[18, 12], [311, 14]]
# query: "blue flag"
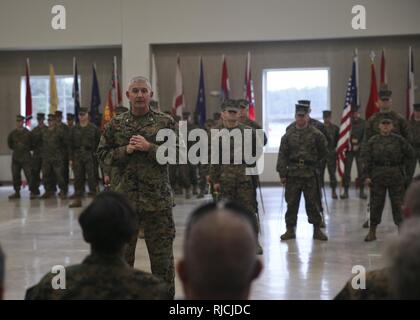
[[201, 97], [76, 93], [95, 100]]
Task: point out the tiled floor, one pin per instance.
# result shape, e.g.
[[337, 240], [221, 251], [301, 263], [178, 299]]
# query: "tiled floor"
[[39, 234]]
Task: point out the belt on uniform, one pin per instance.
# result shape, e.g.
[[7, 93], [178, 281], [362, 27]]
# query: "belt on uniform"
[[303, 162], [386, 164]]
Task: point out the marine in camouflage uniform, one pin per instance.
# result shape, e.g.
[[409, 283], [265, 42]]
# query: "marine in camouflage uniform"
[[386, 157], [377, 287], [64, 147], [112, 174], [400, 124], [331, 161], [101, 277], [356, 138], [20, 142], [130, 142], [414, 128], [37, 133], [70, 120], [52, 160], [301, 150], [230, 180], [84, 139]]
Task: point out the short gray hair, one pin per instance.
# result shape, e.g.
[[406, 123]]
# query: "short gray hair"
[[140, 79]]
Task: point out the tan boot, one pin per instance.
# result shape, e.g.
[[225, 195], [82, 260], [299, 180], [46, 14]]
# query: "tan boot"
[[77, 203], [345, 195], [140, 235], [16, 195], [371, 236], [289, 234], [319, 235], [334, 194]]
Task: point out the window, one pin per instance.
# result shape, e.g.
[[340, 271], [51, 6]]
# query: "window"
[[282, 88], [40, 89]]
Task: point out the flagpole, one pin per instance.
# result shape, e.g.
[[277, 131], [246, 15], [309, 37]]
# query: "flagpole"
[[356, 59]]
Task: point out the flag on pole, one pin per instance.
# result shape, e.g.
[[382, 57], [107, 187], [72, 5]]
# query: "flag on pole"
[[372, 105], [155, 87], [410, 85], [345, 126], [200, 107], [76, 92], [107, 114], [225, 86], [53, 91], [249, 88], [384, 78], [116, 94], [95, 100], [28, 97], [178, 103]]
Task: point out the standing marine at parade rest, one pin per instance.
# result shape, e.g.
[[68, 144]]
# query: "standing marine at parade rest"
[[301, 150], [20, 142], [414, 128], [386, 157], [330, 162]]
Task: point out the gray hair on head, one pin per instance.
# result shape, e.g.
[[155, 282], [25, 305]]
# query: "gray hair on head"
[[140, 79]]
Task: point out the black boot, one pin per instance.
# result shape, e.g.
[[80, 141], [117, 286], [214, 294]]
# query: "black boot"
[[345, 194], [289, 234], [371, 236]]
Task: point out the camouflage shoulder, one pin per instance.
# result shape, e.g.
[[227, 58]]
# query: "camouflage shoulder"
[[162, 115], [374, 138], [152, 285], [316, 130]]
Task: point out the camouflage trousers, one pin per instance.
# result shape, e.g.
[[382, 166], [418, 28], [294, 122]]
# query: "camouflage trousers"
[[395, 186], [295, 186], [331, 164], [241, 191], [84, 166], [65, 169], [350, 156], [36, 172], [17, 167], [159, 234], [52, 172]]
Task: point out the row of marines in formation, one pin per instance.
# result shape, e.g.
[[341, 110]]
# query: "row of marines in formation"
[[128, 147]]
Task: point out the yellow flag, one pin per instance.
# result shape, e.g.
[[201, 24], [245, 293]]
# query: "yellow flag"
[[53, 91]]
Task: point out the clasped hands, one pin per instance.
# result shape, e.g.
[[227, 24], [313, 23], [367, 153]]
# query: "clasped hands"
[[138, 143]]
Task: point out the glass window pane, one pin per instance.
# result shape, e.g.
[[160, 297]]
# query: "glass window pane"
[[282, 89]]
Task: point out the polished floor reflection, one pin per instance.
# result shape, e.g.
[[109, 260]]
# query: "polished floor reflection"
[[39, 234]]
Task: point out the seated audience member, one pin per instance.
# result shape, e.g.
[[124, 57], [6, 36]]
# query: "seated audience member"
[[108, 224], [405, 262], [378, 281], [411, 205], [2, 267], [219, 259]]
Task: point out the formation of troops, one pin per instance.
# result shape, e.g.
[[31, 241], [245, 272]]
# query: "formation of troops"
[[386, 149]]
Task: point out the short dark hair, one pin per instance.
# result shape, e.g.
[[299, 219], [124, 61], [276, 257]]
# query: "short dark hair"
[[212, 207], [2, 267], [108, 222]]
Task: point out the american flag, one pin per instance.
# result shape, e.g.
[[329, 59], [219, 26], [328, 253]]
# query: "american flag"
[[345, 127], [410, 85]]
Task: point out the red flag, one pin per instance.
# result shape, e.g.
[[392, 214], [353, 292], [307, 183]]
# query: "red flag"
[[410, 85], [225, 86], [178, 103], [28, 98], [384, 78], [249, 88], [372, 107]]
